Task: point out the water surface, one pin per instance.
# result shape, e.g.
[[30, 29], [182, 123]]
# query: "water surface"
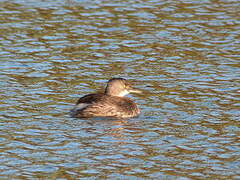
[[183, 54]]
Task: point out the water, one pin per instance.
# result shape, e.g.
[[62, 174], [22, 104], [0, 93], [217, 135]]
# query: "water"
[[184, 55]]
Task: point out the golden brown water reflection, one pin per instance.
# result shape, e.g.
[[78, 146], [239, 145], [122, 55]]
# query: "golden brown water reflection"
[[183, 54]]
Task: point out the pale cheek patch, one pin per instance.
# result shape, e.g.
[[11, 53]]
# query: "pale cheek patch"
[[123, 93]]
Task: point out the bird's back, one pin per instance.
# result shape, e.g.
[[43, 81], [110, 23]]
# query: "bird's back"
[[102, 105]]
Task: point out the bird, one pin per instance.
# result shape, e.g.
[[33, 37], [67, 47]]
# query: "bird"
[[110, 103]]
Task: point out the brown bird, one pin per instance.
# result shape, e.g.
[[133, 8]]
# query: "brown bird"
[[111, 103]]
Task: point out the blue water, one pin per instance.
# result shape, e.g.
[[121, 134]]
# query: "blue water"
[[184, 56]]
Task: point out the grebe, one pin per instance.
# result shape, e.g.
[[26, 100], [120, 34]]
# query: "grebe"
[[111, 103]]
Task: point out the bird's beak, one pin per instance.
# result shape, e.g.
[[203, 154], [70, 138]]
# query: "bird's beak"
[[131, 90]]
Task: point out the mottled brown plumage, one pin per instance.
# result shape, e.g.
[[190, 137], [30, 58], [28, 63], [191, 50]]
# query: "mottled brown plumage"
[[111, 103]]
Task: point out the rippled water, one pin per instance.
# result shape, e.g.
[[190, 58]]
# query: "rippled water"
[[183, 54]]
